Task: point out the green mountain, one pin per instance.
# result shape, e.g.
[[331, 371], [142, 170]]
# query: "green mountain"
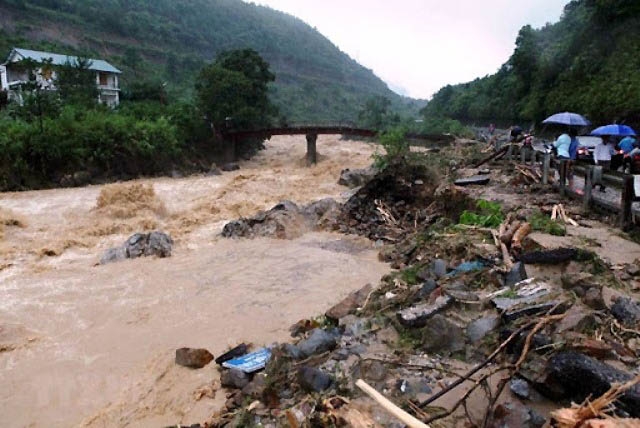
[[170, 40], [588, 62]]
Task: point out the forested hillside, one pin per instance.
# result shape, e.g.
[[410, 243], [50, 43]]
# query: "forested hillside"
[[588, 62], [170, 41]]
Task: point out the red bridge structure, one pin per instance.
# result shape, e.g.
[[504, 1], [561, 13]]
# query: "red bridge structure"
[[311, 132]]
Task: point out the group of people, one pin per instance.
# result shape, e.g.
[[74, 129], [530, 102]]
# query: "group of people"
[[567, 146]]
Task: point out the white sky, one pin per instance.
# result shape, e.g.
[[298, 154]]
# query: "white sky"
[[422, 45]]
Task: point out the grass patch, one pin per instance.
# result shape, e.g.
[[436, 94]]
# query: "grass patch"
[[542, 223], [487, 214]]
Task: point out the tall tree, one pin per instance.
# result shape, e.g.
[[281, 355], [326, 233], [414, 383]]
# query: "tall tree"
[[236, 86]]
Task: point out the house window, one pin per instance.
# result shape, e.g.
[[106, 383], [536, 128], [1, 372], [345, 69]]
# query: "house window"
[[104, 79]]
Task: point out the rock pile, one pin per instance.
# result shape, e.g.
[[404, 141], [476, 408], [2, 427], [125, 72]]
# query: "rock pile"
[[157, 244]]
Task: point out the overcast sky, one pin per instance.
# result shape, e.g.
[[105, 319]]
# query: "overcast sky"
[[418, 46]]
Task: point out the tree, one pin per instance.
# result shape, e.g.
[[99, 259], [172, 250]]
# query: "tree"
[[77, 83], [235, 86]]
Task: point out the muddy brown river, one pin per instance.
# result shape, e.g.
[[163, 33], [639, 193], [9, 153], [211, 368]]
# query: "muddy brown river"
[[89, 345]]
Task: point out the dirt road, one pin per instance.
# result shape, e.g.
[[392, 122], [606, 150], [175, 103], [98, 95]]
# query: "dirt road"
[[89, 345]]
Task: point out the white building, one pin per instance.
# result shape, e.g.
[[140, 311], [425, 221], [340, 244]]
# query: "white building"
[[13, 76]]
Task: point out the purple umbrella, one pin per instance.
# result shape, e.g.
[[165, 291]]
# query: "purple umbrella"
[[566, 118]]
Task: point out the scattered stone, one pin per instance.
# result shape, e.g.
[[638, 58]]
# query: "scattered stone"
[[512, 414], [515, 275], [609, 296], [353, 326], [231, 166], [627, 311], [372, 370], [440, 335], [417, 316], [593, 299], [463, 296], [633, 270], [580, 376], [520, 388], [427, 288], [439, 268], [478, 329], [356, 177], [256, 387], [350, 303], [580, 279], [313, 380], [193, 358], [577, 319], [319, 341], [234, 379], [236, 352], [476, 179]]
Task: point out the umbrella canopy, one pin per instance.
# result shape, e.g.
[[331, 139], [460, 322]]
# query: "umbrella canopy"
[[566, 118], [614, 130]]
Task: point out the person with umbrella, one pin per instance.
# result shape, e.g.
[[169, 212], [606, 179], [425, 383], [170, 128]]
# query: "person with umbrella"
[[602, 158], [567, 144], [628, 143]]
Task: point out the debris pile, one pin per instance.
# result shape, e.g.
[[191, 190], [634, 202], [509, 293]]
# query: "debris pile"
[[476, 312]]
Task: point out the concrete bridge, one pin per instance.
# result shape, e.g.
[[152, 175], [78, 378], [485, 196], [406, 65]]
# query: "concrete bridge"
[[311, 132]]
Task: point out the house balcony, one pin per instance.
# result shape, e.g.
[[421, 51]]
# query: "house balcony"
[[108, 88]]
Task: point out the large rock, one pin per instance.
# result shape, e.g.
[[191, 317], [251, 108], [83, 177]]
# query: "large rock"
[[627, 311], [312, 379], [234, 379], [319, 341], [350, 303], [442, 336], [417, 316], [356, 177], [579, 377], [193, 358], [577, 319], [157, 244], [478, 329], [286, 220]]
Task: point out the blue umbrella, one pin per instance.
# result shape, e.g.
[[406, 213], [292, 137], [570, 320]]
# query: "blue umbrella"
[[566, 118], [614, 130]]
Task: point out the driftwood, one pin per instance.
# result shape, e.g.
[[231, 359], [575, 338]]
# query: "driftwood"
[[519, 235], [507, 236]]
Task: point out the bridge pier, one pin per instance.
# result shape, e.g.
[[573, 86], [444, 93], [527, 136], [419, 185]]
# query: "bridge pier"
[[312, 157], [230, 150]]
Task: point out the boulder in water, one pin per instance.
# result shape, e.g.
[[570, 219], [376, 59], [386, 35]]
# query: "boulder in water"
[[140, 244], [356, 177]]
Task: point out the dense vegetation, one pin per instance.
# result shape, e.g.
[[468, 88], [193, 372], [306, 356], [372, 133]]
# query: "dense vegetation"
[[588, 62], [66, 137], [170, 41]]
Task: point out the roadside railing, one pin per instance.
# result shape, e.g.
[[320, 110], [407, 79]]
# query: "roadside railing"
[[624, 182]]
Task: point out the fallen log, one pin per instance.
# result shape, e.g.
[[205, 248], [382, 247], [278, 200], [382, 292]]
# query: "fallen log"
[[507, 236], [549, 257], [494, 155], [519, 235]]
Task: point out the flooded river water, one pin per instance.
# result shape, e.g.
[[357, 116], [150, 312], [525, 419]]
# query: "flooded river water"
[[89, 345]]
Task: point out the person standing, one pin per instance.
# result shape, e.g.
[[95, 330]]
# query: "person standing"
[[602, 158], [567, 149]]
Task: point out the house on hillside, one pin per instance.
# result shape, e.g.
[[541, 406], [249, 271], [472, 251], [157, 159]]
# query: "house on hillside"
[[13, 76]]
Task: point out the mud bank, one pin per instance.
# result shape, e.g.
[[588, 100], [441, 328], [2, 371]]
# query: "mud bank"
[[93, 345]]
